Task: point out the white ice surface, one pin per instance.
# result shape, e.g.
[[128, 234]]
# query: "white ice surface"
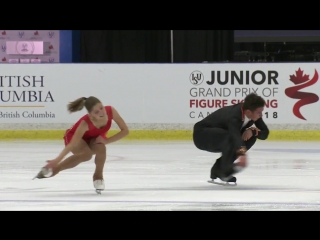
[[162, 176]]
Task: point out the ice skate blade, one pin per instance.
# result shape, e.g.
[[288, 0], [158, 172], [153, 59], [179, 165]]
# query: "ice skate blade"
[[98, 191], [36, 177], [222, 183]]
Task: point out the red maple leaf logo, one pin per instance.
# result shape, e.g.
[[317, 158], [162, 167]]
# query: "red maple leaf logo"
[[4, 59], [36, 33], [304, 98], [299, 77], [4, 32], [50, 47]]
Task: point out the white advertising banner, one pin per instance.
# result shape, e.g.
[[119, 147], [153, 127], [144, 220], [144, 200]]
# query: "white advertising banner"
[[159, 93]]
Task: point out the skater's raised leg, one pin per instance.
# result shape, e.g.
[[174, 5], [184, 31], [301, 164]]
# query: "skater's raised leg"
[[81, 153]]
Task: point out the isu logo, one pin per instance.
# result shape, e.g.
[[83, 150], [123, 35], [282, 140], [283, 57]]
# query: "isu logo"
[[302, 81], [196, 77]]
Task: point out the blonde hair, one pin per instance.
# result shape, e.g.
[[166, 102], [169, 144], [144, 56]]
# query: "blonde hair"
[[80, 103]]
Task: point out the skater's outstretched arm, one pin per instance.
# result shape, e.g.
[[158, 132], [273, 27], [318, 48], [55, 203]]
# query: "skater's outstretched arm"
[[81, 129], [124, 131]]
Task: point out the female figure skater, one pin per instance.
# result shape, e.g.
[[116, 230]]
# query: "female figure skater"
[[87, 138]]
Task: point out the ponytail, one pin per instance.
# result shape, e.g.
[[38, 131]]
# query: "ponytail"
[[77, 105]]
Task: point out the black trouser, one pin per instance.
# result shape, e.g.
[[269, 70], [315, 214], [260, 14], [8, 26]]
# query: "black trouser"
[[217, 140]]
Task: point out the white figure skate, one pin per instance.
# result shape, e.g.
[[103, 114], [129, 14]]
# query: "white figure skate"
[[224, 182], [99, 185], [44, 173]]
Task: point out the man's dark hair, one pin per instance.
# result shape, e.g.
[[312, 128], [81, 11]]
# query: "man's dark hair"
[[252, 102]]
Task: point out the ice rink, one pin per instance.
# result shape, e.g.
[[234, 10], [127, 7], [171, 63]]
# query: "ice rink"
[[170, 176]]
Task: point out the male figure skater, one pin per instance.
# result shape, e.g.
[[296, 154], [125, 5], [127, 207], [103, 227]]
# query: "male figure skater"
[[230, 130]]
